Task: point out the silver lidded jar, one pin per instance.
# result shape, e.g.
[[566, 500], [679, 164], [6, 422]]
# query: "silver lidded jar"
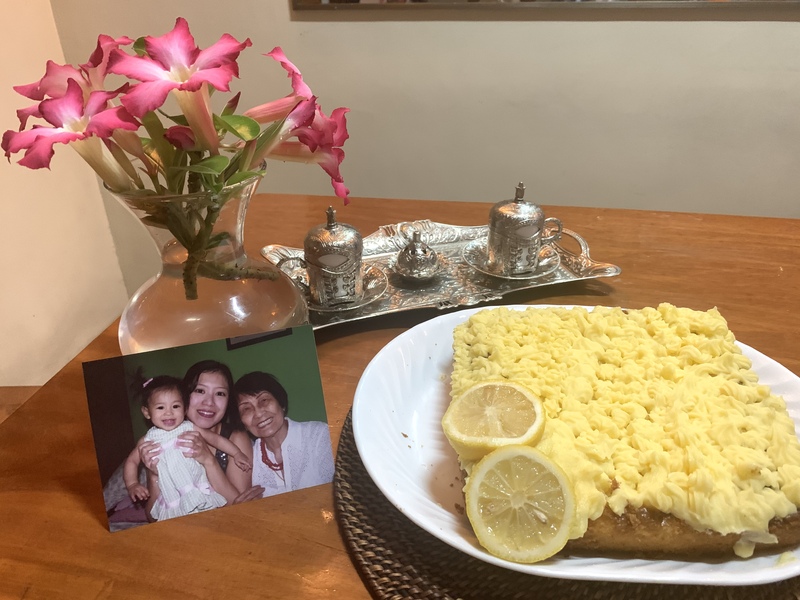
[[332, 254], [517, 231], [417, 262]]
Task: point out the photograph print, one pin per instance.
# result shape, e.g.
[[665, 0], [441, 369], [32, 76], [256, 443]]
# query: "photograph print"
[[184, 430]]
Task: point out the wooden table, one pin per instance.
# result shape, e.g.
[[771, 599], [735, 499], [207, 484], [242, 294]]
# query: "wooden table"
[[54, 541]]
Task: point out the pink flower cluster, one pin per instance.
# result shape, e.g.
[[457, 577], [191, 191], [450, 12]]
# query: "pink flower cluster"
[[102, 125]]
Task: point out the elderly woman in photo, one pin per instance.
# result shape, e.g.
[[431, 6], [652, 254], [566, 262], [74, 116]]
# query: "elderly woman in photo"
[[287, 455]]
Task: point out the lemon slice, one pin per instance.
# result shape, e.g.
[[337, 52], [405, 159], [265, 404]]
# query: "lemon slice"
[[490, 415], [520, 504]]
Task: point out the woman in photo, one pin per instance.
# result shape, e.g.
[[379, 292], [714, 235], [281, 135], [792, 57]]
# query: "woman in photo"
[[287, 455], [207, 386]]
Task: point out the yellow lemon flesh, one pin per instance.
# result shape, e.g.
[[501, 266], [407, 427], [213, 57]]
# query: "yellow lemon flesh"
[[520, 504], [490, 415]]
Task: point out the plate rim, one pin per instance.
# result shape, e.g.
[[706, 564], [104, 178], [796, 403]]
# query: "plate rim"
[[551, 568]]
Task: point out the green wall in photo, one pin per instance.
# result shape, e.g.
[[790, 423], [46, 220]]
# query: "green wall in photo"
[[290, 355]]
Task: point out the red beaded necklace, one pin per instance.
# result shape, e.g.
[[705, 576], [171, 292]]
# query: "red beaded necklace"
[[277, 467], [272, 465]]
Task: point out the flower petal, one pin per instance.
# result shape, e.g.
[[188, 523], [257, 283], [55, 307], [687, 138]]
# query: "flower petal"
[[218, 77], [23, 114], [65, 110], [328, 158], [53, 83], [142, 68], [105, 43], [95, 152], [175, 48], [298, 85], [106, 122], [96, 67], [226, 50], [340, 134], [273, 111], [147, 96], [301, 116], [325, 131], [341, 190], [181, 137], [37, 143], [97, 102], [303, 113]]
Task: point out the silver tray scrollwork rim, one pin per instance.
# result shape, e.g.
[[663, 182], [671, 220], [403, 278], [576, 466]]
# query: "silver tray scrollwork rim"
[[457, 284]]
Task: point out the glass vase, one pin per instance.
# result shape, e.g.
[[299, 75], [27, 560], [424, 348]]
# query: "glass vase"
[[208, 287]]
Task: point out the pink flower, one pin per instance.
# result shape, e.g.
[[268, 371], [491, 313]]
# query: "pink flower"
[[72, 120], [328, 158], [91, 75], [96, 68], [324, 138], [181, 137], [175, 64], [325, 132], [273, 111], [53, 84], [320, 140], [320, 143], [278, 109], [298, 85]]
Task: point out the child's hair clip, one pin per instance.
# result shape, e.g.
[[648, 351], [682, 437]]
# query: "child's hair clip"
[[146, 383]]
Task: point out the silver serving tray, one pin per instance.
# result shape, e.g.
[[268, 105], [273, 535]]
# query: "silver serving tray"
[[458, 283]]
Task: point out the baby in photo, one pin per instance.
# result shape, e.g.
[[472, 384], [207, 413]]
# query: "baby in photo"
[[182, 481]]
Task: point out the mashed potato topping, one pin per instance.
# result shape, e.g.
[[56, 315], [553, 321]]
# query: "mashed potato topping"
[[654, 408]]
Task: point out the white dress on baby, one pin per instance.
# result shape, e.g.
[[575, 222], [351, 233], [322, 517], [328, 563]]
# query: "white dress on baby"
[[182, 481], [307, 459]]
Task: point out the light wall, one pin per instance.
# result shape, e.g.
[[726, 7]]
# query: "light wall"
[[689, 114], [60, 277]]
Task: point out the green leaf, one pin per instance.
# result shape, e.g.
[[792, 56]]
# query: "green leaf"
[[242, 127], [241, 176], [231, 105], [155, 130], [176, 177], [213, 165], [212, 183], [177, 119], [138, 47], [268, 135]]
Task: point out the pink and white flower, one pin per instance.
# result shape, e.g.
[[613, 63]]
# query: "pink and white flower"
[[319, 142], [71, 121], [319, 137], [174, 63]]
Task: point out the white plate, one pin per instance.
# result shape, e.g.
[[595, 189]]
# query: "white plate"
[[397, 410]]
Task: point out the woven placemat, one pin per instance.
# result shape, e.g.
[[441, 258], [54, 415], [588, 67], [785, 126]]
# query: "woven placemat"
[[396, 559]]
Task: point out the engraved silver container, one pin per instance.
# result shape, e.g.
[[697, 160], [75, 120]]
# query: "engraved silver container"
[[517, 231], [417, 261], [332, 254]]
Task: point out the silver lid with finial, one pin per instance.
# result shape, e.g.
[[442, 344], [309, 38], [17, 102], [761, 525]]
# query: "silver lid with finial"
[[417, 261], [332, 253], [333, 245], [516, 233], [507, 217]]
